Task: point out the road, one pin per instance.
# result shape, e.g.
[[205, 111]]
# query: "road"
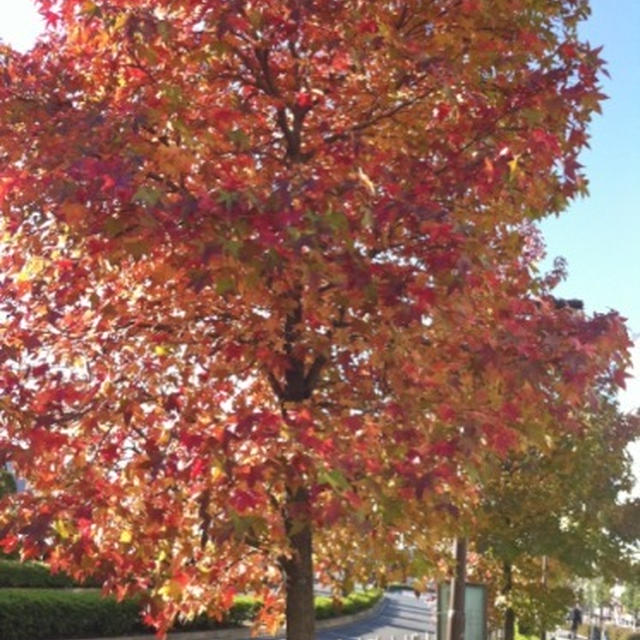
[[402, 617]]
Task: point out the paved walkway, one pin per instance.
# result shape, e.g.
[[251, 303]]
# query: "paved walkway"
[[402, 615]]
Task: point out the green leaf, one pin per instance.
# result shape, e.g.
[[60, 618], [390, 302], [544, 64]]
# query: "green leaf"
[[113, 226], [392, 509], [147, 195], [334, 478], [240, 139], [227, 198], [233, 247], [225, 284], [337, 220]]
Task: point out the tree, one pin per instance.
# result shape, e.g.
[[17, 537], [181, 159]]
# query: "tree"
[[268, 273], [631, 600], [553, 515]]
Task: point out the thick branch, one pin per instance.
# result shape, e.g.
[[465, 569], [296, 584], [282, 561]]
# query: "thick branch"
[[313, 374]]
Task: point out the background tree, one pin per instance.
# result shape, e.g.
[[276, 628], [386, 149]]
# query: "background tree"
[[631, 600], [553, 516], [597, 595], [7, 483], [268, 272]]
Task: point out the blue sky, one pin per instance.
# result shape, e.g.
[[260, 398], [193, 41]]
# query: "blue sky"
[[599, 236]]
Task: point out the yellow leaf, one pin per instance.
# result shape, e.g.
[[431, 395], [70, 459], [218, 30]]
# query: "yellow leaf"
[[170, 590], [31, 269], [61, 528], [216, 473], [126, 537], [366, 181], [513, 165], [161, 350]]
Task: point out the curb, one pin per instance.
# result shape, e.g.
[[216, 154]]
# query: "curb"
[[244, 633], [241, 633]]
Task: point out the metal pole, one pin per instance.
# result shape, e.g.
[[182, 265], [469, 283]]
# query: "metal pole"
[[455, 617], [543, 631]]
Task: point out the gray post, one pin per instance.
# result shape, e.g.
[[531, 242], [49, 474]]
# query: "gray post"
[[455, 617]]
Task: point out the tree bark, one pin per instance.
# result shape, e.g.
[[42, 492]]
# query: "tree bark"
[[509, 614], [298, 569]]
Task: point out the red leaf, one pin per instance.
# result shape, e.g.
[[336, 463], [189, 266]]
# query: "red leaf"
[[242, 500], [304, 100], [368, 26], [9, 543], [197, 468]]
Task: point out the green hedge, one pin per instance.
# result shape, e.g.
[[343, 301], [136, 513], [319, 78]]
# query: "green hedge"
[[34, 575], [357, 601], [244, 608], [39, 614], [49, 614]]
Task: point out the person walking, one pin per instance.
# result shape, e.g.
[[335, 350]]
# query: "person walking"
[[576, 620]]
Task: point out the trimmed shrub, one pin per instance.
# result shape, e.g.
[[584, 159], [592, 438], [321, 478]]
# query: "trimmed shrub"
[[34, 575], [325, 607], [39, 614], [244, 608], [356, 601], [50, 614]]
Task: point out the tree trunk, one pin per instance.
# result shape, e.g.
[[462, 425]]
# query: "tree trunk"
[[509, 614], [298, 569]]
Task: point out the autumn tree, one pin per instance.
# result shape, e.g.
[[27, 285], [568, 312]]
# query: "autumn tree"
[[267, 275], [554, 514]]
